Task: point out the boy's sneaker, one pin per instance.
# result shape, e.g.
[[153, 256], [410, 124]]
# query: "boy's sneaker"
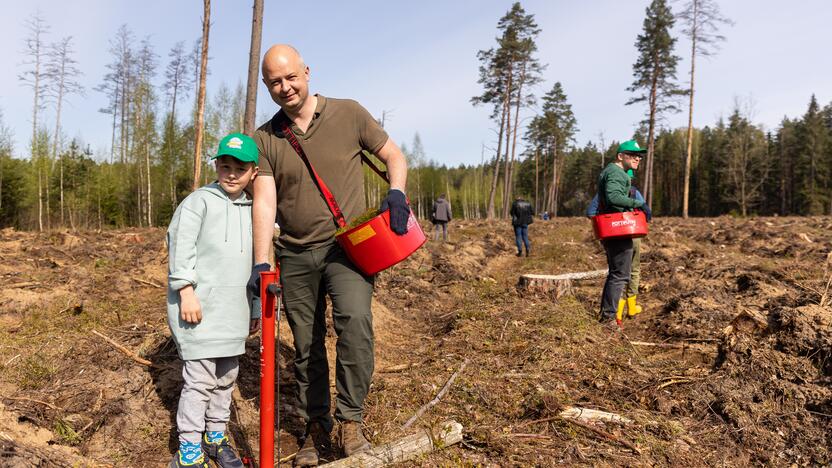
[[189, 455], [218, 449]]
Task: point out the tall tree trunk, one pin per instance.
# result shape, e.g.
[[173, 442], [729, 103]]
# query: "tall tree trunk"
[[688, 157], [510, 176], [56, 138], [508, 140], [253, 67], [123, 128], [648, 179], [40, 197], [35, 152], [553, 209], [113, 136], [490, 210], [536, 177], [149, 198], [206, 24], [46, 184]]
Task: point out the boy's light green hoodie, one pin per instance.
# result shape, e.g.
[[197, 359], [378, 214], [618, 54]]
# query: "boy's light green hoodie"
[[210, 248]]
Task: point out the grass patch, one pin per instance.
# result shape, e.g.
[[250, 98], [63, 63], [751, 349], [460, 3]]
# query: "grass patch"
[[66, 433], [34, 372]]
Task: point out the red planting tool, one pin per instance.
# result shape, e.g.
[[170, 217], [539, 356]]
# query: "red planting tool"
[[270, 294]]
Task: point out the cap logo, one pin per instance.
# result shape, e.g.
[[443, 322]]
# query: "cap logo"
[[235, 143], [635, 144]]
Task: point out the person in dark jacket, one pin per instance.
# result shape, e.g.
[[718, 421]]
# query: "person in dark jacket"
[[614, 197], [635, 269], [440, 216], [522, 214]]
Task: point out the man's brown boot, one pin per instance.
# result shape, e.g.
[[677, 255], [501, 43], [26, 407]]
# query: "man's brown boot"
[[351, 439], [316, 444]]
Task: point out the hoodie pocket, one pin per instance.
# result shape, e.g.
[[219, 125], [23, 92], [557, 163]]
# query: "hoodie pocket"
[[225, 314]]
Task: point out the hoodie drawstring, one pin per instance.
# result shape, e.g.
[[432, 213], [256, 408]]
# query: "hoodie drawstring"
[[227, 201]]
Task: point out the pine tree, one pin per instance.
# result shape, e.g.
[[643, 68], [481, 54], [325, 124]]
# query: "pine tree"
[[655, 75], [200, 107], [35, 52], [517, 45], [813, 137], [552, 131], [62, 72], [253, 67], [504, 73], [702, 20], [495, 83]]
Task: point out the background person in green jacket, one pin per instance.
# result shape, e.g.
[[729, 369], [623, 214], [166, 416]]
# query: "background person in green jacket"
[[209, 310], [614, 196]]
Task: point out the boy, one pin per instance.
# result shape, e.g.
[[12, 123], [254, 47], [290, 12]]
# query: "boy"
[[210, 258]]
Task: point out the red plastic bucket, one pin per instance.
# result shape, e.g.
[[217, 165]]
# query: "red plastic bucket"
[[620, 225], [373, 246]]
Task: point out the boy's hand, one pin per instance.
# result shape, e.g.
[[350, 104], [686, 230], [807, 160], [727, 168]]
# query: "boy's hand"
[[253, 326], [189, 307]]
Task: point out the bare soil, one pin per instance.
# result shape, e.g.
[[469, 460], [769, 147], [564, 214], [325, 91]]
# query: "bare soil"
[[739, 307]]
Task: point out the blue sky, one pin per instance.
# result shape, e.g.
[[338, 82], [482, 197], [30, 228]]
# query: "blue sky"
[[417, 60]]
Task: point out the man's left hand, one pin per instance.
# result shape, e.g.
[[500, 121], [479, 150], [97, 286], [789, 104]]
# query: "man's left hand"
[[396, 202], [647, 212]]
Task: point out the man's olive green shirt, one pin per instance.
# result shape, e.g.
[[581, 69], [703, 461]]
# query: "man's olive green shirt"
[[340, 130]]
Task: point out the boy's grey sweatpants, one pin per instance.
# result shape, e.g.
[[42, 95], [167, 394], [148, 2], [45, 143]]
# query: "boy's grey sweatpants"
[[205, 401]]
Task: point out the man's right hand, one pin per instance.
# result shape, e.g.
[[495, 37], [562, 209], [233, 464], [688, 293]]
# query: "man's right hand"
[[254, 280]]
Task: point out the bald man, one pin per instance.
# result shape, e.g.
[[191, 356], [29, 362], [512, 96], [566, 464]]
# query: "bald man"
[[332, 133]]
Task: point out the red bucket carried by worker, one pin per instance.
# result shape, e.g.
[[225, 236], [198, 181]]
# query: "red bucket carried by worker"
[[372, 246], [627, 224]]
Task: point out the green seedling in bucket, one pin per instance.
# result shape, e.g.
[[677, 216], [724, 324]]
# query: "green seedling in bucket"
[[358, 220]]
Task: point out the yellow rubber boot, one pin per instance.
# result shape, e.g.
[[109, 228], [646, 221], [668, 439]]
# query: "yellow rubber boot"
[[632, 307], [619, 314]]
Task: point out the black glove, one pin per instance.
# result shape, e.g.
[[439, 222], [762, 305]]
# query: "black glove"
[[396, 202], [647, 212], [254, 280]]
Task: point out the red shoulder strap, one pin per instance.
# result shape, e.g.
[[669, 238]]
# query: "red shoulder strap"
[[328, 197]]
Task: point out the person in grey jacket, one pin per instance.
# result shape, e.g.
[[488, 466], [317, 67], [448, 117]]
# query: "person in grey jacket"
[[209, 310], [440, 216]]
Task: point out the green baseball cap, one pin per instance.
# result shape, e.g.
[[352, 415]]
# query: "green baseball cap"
[[631, 173], [238, 145], [630, 146]]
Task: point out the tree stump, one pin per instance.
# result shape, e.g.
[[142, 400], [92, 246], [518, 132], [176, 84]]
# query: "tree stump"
[[555, 285]]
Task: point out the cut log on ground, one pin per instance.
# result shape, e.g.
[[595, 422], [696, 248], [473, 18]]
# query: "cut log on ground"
[[591, 415], [557, 285], [404, 449]]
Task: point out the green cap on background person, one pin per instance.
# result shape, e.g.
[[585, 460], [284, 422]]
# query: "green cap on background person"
[[631, 147], [238, 145], [631, 173]]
